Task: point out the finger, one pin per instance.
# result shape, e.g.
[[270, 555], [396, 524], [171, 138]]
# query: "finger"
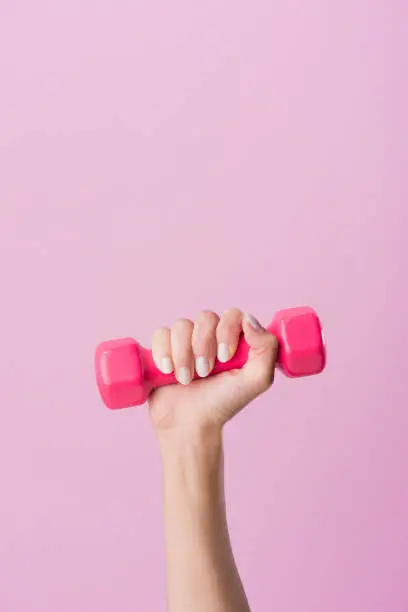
[[204, 342], [228, 333], [260, 368], [182, 352], [161, 350]]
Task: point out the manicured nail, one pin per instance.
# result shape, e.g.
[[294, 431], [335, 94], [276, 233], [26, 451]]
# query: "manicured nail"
[[166, 365], [254, 323], [223, 352], [184, 376], [202, 366]]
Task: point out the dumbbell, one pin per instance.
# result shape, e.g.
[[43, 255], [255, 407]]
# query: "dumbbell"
[[126, 373]]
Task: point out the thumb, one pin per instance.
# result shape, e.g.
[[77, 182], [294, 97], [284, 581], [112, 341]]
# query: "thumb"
[[258, 373], [237, 388]]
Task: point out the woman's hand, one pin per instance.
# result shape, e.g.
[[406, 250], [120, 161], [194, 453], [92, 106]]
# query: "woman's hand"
[[188, 418], [207, 403]]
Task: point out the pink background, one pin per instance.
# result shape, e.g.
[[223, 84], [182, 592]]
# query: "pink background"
[[161, 157]]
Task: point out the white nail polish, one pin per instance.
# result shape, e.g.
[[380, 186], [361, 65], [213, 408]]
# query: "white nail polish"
[[184, 376], [202, 366], [254, 323], [223, 352], [166, 365]]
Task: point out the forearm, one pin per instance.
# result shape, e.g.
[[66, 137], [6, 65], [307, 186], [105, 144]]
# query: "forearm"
[[201, 570]]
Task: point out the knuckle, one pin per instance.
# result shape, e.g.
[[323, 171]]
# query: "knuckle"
[[227, 328], [182, 324], [206, 319], [230, 322], [204, 338], [161, 331], [205, 324], [181, 341], [232, 313], [161, 338]]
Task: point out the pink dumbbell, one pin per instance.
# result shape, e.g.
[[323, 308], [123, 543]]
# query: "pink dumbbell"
[[126, 372]]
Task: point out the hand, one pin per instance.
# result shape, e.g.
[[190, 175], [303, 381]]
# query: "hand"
[[209, 402]]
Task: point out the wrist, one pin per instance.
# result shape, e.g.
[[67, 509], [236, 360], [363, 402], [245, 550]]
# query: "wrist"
[[198, 438], [192, 462]]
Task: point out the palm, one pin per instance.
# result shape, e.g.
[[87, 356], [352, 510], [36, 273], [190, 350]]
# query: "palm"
[[209, 400]]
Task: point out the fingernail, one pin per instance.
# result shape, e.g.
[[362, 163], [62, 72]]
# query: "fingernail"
[[184, 376], [202, 366], [166, 365], [254, 323], [223, 352]]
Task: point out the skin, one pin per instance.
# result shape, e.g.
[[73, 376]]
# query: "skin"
[[188, 419]]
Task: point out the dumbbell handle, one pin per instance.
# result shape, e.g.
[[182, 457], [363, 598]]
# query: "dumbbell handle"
[[126, 372]]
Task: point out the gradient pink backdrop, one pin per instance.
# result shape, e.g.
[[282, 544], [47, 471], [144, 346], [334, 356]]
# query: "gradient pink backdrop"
[[161, 157]]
